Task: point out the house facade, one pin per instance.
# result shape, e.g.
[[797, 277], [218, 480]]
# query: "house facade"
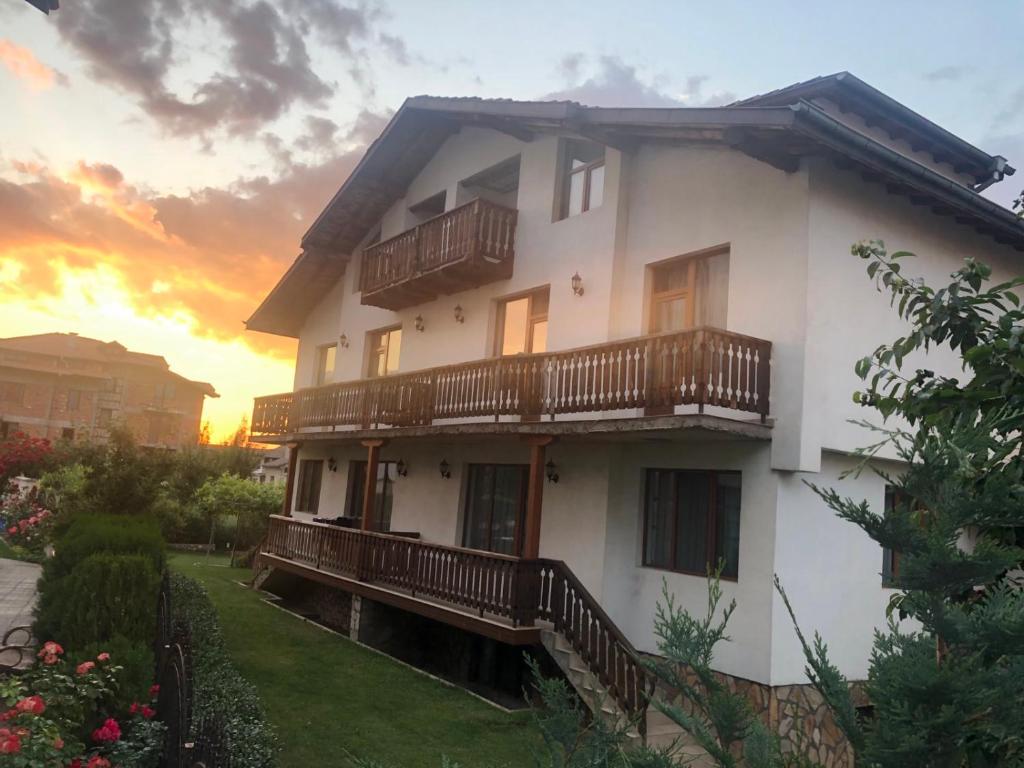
[[65, 386], [554, 359]]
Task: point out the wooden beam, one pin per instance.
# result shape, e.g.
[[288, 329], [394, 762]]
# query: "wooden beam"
[[535, 495], [370, 486], [289, 482]]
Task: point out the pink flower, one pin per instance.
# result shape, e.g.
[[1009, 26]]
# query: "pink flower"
[[109, 731], [33, 705], [58, 743], [153, 691], [103, 657], [10, 743], [12, 530], [85, 667], [133, 708], [98, 762], [76, 763], [148, 712]]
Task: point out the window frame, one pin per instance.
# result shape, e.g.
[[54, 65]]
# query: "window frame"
[[532, 319], [302, 492], [320, 373], [519, 532], [711, 533], [373, 350], [356, 489], [567, 172]]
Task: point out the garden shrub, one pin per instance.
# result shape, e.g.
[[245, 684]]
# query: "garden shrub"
[[134, 671], [218, 690], [104, 596], [114, 534]]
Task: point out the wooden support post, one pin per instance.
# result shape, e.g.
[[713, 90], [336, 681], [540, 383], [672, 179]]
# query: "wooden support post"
[[289, 482], [370, 489], [535, 495]]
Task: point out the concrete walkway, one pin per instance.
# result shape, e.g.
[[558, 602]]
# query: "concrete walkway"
[[17, 598]]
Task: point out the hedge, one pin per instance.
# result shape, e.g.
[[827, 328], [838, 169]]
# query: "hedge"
[[115, 534], [219, 692]]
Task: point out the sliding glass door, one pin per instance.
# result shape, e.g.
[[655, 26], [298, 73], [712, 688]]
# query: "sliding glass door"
[[495, 507]]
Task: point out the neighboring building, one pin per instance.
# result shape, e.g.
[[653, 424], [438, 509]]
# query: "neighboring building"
[[65, 386], [618, 339], [273, 466]]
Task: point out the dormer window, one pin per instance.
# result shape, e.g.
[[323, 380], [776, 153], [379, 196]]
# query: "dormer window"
[[582, 184]]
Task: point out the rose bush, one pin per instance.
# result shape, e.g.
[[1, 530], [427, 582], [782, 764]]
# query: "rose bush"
[[27, 524], [62, 715]]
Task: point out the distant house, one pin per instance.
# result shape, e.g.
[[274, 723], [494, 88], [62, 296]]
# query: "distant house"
[[273, 466], [65, 386], [553, 357]]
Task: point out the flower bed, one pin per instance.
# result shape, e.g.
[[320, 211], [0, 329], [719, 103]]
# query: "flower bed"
[[27, 524], [64, 715]]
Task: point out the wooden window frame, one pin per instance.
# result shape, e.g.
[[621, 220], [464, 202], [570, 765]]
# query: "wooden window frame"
[[371, 350], [300, 490], [319, 373], [517, 535], [567, 172], [532, 318], [692, 260], [353, 503], [711, 535]]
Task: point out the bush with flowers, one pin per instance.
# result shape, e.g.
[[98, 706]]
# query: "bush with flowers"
[[64, 715], [21, 454], [27, 524]]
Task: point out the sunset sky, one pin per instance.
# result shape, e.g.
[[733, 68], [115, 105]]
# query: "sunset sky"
[[160, 159]]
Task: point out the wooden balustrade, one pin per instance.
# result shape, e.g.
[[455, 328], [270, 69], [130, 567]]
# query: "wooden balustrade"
[[702, 366], [465, 246], [520, 591]]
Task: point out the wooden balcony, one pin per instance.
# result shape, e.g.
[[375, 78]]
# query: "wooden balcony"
[[702, 366], [484, 592], [465, 247]]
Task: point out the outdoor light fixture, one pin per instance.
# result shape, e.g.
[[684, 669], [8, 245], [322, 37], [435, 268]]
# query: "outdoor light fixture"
[[577, 284], [402, 468], [552, 471], [459, 317], [445, 470], [332, 464], [343, 341], [419, 323]]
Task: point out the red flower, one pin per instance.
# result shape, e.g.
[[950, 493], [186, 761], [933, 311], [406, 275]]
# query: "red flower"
[[8, 715], [103, 657], [84, 667], [153, 691], [58, 743], [76, 763], [148, 712], [10, 743], [33, 705], [49, 652], [109, 731], [98, 762], [133, 708], [12, 530]]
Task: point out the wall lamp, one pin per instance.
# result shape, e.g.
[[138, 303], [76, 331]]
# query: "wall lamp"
[[402, 468], [446, 471], [332, 464], [343, 341], [419, 323], [577, 284], [459, 316], [552, 471]]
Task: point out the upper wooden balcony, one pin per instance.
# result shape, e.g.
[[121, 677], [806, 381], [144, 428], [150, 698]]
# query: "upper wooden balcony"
[[459, 249], [701, 366]]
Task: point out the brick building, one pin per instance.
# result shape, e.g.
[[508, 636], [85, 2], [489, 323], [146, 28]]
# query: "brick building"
[[61, 385]]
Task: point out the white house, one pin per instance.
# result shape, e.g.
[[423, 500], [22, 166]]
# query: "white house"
[[567, 354], [273, 466]]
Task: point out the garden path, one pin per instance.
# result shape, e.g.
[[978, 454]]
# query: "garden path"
[[17, 596]]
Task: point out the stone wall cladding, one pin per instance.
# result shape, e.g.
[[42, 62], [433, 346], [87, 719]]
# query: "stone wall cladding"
[[334, 606]]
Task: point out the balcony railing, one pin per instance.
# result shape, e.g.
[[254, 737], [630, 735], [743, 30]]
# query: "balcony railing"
[[702, 366], [464, 247], [510, 589]]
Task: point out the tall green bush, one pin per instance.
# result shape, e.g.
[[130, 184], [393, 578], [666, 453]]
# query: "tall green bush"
[[89, 534]]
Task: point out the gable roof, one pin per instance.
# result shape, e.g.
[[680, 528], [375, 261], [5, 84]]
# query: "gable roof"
[[74, 347], [777, 128]]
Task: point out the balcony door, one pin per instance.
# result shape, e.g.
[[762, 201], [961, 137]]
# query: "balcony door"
[[689, 291], [495, 507], [387, 473]]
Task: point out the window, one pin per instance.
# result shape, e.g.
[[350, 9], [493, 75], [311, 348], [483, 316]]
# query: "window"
[[383, 496], [12, 392], [7, 429], [894, 497], [385, 347], [495, 507], [74, 399], [325, 356], [582, 186], [692, 521], [523, 324], [689, 292], [310, 474], [67, 433]]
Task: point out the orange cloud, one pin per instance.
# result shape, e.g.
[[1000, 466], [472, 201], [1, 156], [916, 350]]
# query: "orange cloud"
[[23, 64]]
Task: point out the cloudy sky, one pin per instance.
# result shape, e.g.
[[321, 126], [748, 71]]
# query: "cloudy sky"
[[159, 159]]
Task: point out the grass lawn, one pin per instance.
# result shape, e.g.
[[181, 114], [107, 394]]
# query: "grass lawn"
[[332, 700]]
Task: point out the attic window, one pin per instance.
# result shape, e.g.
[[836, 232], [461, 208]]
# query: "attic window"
[[582, 177]]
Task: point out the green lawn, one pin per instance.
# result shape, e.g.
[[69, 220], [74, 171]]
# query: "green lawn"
[[332, 700]]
